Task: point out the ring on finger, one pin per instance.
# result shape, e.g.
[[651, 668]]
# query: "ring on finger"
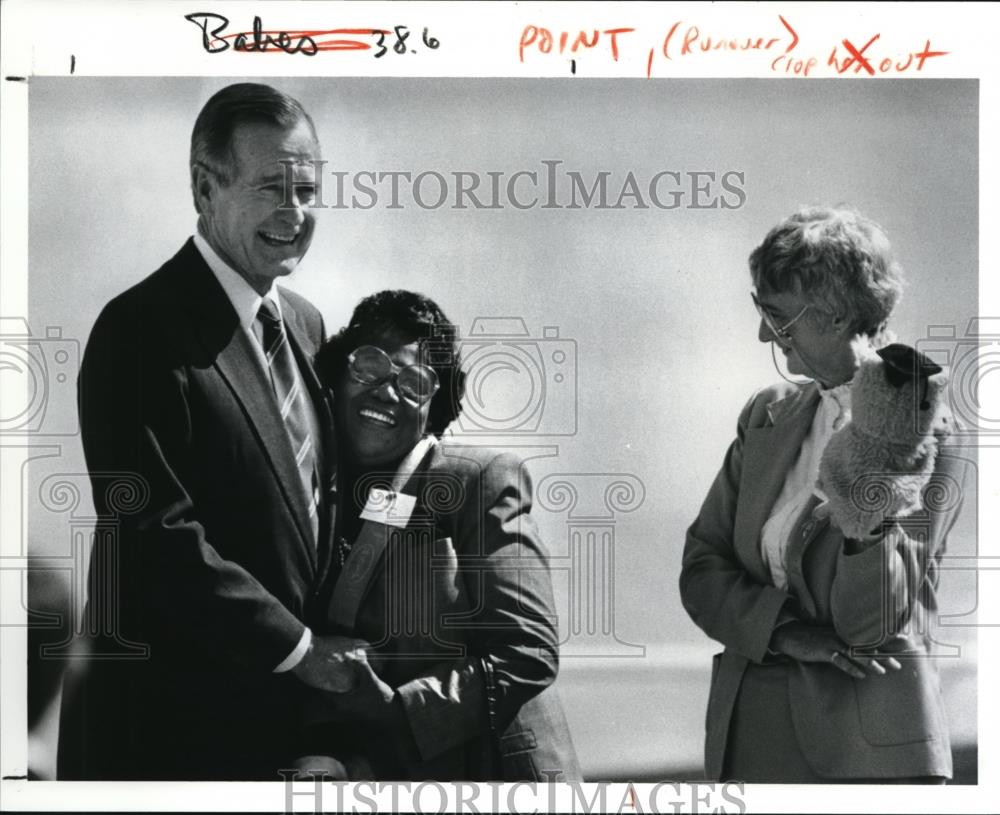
[[834, 655]]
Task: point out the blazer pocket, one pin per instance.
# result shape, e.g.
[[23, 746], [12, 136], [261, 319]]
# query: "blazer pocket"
[[517, 754], [898, 708]]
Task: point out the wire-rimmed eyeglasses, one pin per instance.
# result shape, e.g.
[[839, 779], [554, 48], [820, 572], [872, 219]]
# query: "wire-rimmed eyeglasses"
[[781, 332]]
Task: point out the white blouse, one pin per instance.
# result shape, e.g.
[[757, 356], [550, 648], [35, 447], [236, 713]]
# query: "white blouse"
[[833, 412]]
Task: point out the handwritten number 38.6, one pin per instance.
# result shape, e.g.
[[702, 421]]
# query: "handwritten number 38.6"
[[400, 46]]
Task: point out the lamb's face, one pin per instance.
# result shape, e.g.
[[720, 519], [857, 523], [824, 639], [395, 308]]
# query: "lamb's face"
[[894, 412]]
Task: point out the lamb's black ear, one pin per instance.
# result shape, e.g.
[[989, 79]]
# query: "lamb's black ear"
[[903, 363]]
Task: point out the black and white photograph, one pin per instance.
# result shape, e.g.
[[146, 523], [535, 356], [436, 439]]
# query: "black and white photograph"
[[593, 432]]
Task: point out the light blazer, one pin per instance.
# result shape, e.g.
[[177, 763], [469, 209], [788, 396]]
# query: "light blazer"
[[217, 569], [882, 726], [467, 578]]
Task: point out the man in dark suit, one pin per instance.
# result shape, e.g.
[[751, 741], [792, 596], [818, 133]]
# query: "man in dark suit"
[[197, 390]]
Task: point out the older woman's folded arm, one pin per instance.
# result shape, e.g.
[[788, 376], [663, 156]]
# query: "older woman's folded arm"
[[878, 588], [875, 587]]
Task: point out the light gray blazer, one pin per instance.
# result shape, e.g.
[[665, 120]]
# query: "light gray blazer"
[[883, 726]]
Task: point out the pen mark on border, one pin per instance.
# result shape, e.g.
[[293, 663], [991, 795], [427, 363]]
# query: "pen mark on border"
[[16, 78], [795, 37]]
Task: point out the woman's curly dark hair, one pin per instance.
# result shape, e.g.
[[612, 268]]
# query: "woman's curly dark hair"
[[411, 317]]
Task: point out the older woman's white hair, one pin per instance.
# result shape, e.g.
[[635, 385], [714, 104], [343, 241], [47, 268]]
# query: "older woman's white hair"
[[838, 260]]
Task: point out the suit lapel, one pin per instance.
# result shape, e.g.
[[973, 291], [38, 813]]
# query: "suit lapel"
[[805, 532], [768, 454], [233, 356]]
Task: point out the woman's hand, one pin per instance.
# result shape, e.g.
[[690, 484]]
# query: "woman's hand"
[[807, 643], [368, 699], [372, 700]]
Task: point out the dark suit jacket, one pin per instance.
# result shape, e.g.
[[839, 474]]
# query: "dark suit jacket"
[[880, 727], [467, 578], [212, 566]]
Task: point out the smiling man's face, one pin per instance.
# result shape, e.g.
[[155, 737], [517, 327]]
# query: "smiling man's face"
[[254, 223]]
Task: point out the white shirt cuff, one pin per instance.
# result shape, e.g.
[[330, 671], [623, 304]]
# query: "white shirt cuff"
[[295, 657]]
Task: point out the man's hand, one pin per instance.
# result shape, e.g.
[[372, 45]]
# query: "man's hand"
[[332, 663], [807, 643]]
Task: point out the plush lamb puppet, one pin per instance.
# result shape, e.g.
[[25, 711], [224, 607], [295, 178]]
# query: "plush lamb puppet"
[[875, 467]]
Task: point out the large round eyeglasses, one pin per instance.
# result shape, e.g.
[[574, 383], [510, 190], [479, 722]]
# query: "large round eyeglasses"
[[371, 366]]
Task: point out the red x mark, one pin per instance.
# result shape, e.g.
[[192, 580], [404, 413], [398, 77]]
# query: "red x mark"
[[859, 55]]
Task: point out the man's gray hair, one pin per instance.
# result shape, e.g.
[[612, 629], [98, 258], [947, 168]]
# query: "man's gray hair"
[[242, 103]]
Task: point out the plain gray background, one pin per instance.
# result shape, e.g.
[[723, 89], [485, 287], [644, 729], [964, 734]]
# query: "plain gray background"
[[656, 301]]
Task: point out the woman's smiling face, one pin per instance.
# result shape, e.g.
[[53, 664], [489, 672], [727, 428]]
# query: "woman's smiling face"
[[378, 426]]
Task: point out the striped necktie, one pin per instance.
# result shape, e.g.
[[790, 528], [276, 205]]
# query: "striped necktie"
[[288, 389]]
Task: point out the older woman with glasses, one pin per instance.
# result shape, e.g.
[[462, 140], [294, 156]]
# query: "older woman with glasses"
[[814, 558], [438, 566]]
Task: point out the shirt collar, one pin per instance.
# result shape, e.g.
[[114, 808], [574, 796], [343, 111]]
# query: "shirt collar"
[[411, 461], [245, 300], [800, 399], [837, 404], [841, 394]]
